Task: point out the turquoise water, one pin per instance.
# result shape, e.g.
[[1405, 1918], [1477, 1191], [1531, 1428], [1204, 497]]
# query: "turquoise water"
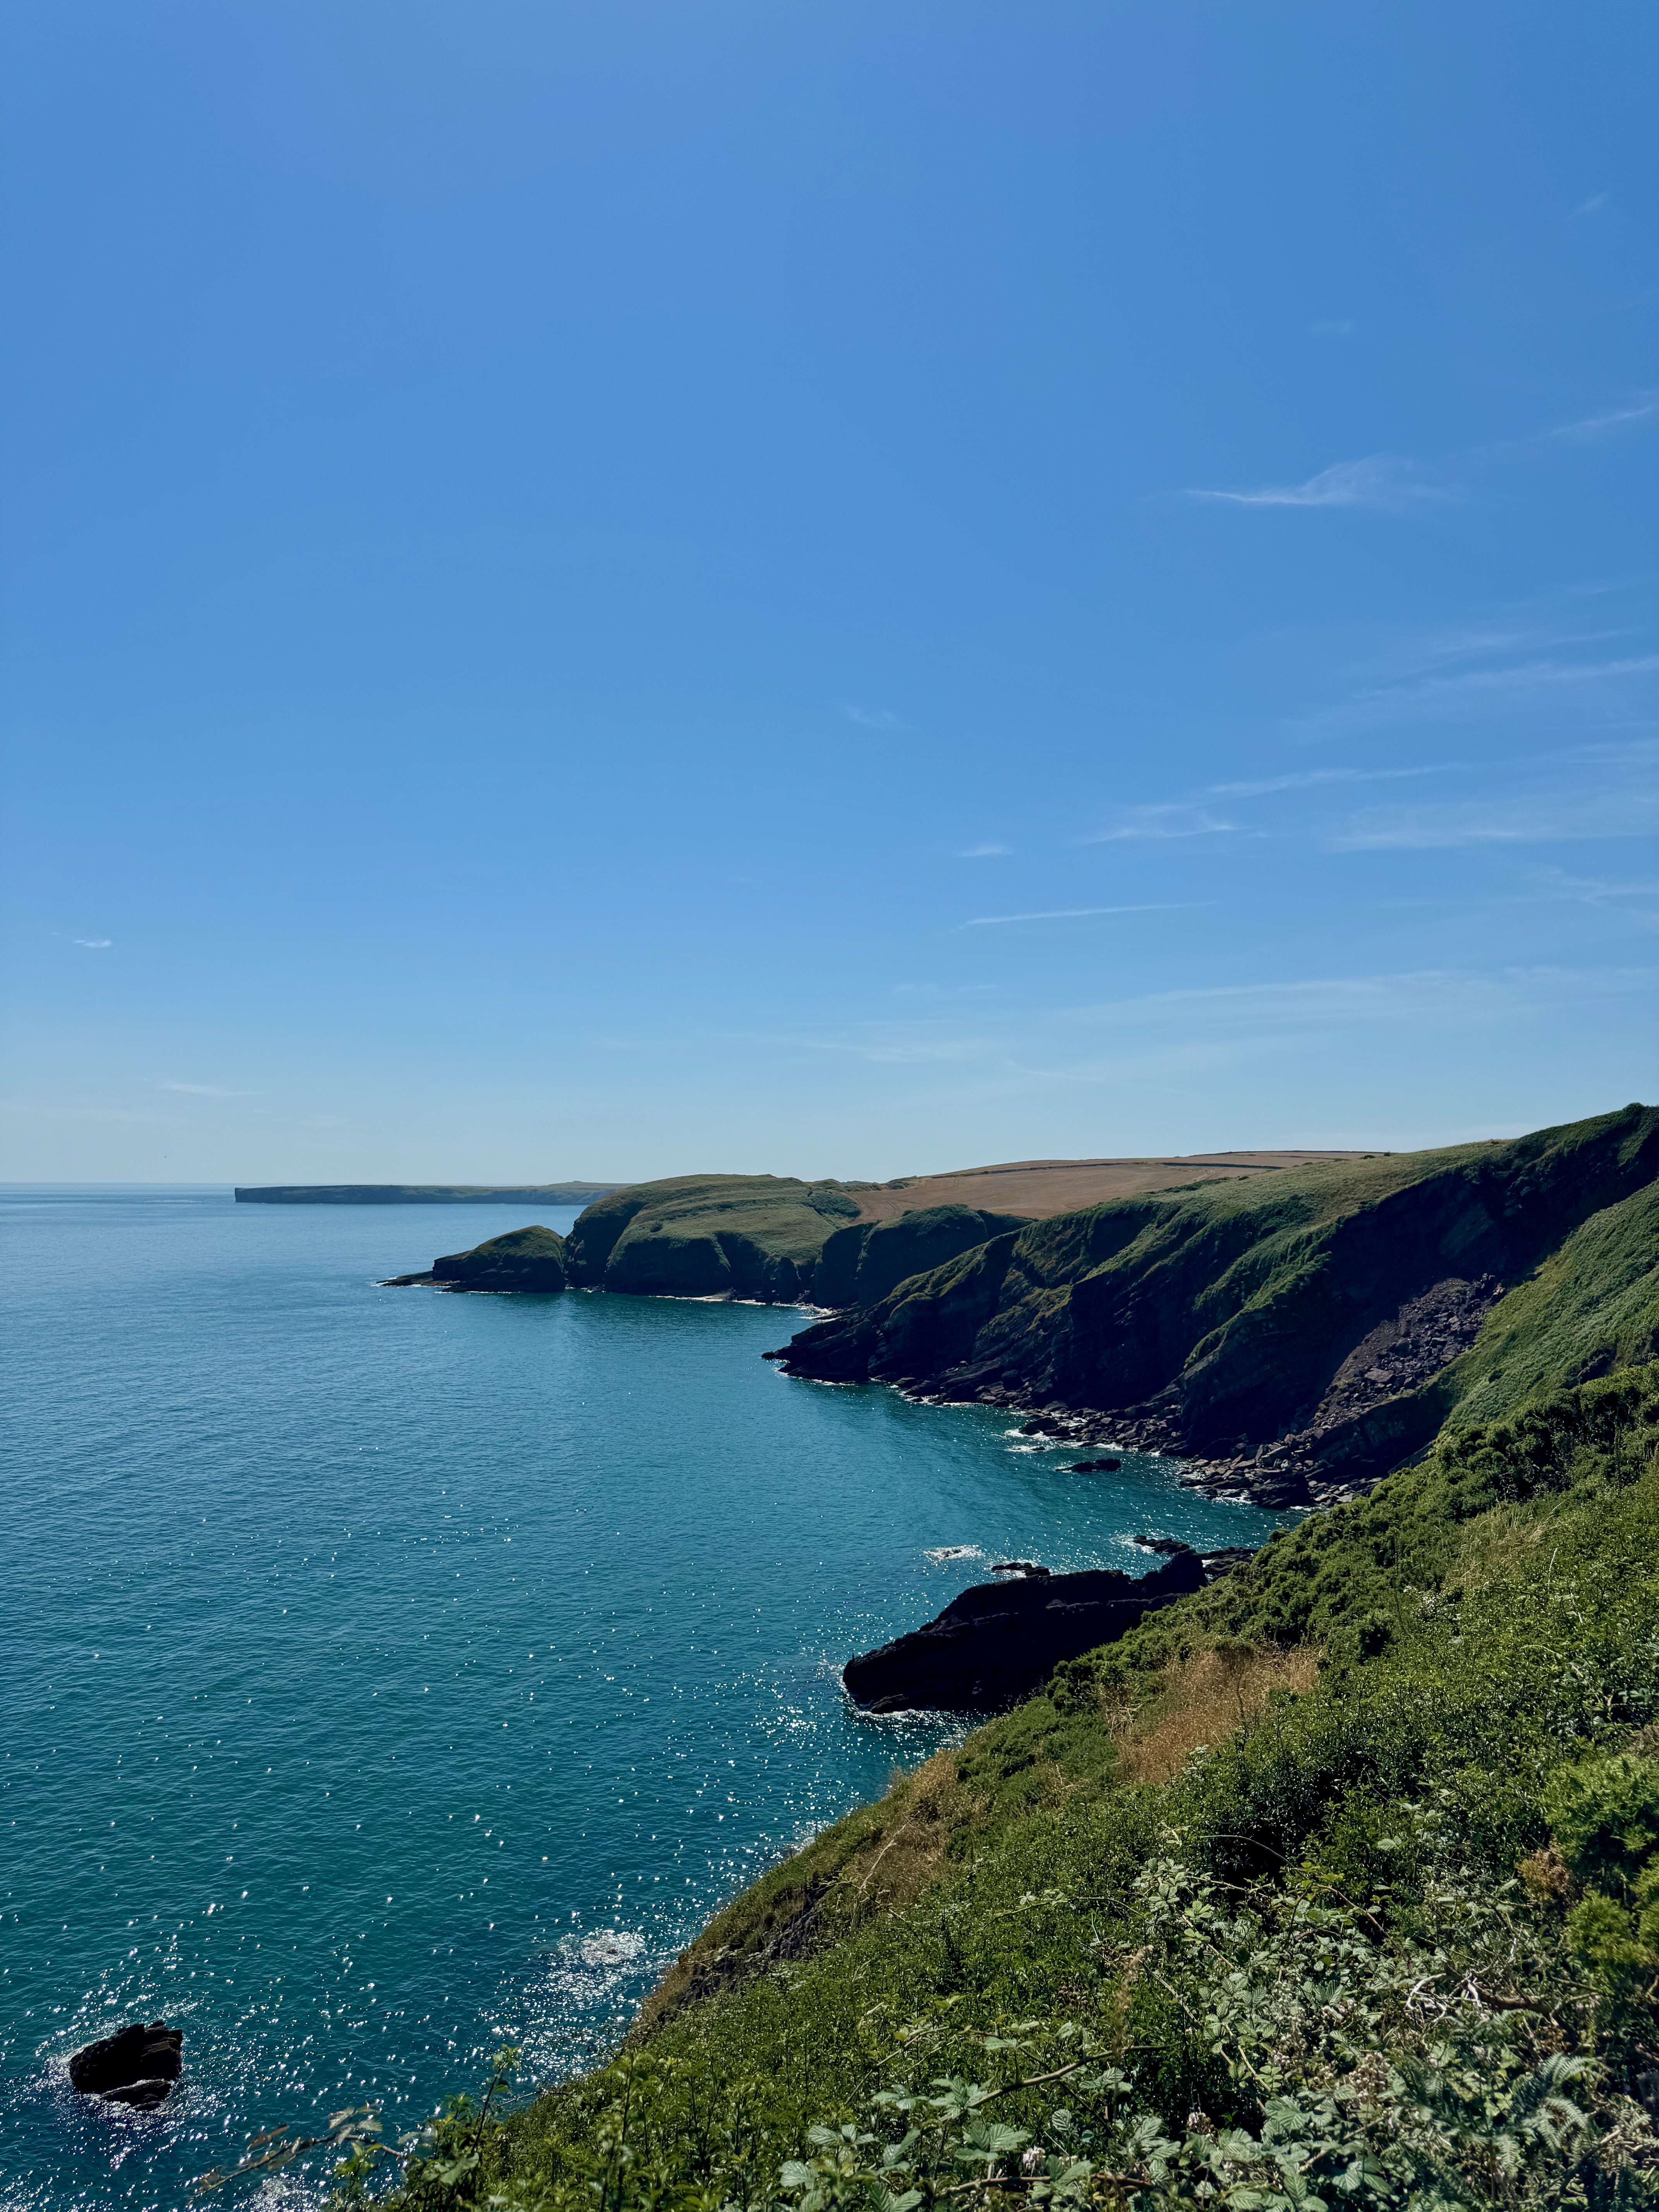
[[388, 1674]]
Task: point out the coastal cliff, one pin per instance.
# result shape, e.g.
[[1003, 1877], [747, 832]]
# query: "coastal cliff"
[[1301, 1334], [710, 1236], [770, 1238]]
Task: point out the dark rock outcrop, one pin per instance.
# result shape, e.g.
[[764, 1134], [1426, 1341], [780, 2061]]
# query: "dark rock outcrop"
[[1215, 1564], [998, 1641], [523, 1259], [138, 2066]]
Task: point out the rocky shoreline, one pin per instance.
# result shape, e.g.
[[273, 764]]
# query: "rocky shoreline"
[[1300, 1468]]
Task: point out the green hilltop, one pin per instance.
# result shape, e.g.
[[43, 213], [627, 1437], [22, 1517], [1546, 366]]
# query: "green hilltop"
[[766, 1237]]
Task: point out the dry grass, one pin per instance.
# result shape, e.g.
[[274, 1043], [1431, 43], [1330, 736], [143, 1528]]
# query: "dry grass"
[[1203, 1699], [880, 1859], [1040, 1188]]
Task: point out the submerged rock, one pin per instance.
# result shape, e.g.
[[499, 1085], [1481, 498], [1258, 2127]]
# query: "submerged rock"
[[138, 2066], [998, 1641]]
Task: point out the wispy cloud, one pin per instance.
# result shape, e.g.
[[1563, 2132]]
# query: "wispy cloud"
[[1438, 997], [94, 944], [1392, 482], [1593, 205], [207, 1090], [1171, 818], [1472, 691], [1555, 885], [1592, 890], [1548, 815], [1377, 480], [1641, 407], [1306, 779], [1337, 327], [1194, 817], [872, 718], [985, 853], [1080, 913], [1199, 1035]]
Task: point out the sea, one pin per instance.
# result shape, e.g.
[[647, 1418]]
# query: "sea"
[[388, 1674]]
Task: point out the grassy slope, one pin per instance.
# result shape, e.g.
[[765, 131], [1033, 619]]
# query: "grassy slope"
[[1388, 1696], [708, 1236], [1233, 1306]]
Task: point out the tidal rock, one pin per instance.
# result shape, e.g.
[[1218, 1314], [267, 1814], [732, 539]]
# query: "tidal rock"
[[138, 2066], [999, 1640], [1095, 1467]]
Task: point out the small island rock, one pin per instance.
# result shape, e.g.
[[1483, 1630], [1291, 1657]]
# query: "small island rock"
[[138, 2066]]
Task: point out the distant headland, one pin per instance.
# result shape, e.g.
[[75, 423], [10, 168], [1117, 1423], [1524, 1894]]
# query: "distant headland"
[[422, 1193]]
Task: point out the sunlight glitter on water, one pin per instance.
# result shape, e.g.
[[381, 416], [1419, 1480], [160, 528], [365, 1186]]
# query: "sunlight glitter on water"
[[372, 1654]]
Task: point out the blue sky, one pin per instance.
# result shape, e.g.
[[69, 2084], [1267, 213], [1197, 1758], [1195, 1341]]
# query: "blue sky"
[[851, 589]]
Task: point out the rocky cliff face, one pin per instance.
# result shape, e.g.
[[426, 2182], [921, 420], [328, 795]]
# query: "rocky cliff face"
[[860, 1264], [765, 1237], [1331, 1317]]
